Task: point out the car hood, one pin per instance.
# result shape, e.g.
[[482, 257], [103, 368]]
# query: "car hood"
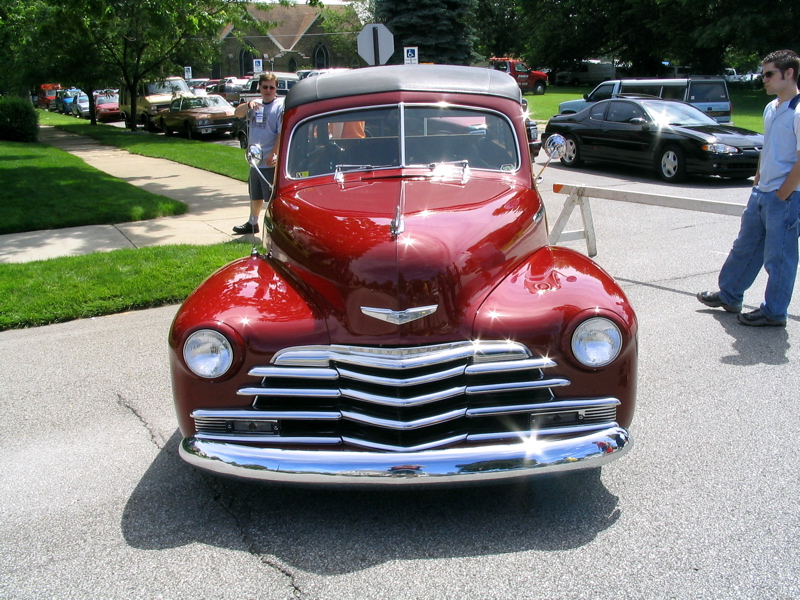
[[727, 134], [455, 242], [216, 110]]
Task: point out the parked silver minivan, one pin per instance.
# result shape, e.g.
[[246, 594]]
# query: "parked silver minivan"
[[709, 94]]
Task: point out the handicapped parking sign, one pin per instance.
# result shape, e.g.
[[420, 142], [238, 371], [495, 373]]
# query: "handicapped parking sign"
[[412, 55]]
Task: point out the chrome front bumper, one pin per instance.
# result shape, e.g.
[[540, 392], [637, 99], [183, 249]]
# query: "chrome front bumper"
[[470, 465]]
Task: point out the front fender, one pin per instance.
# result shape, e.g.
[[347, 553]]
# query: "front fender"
[[259, 310], [542, 302]]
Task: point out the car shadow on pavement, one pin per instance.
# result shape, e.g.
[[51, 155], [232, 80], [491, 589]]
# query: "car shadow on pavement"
[[331, 532]]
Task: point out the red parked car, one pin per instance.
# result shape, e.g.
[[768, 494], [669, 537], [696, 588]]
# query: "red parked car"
[[408, 322]]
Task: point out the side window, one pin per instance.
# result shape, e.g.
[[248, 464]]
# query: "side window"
[[501, 66], [645, 90], [176, 104], [597, 112], [674, 92], [623, 112], [602, 92], [707, 91], [520, 68]]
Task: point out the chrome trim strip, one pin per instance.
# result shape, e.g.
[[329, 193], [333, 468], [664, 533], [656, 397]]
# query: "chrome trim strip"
[[268, 439], [401, 358], [519, 386], [255, 415], [392, 401], [287, 372], [512, 365], [546, 407], [288, 392], [396, 449], [399, 382], [471, 465], [405, 425], [516, 435]]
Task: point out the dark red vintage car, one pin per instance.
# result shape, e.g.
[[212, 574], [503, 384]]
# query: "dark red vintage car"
[[408, 322]]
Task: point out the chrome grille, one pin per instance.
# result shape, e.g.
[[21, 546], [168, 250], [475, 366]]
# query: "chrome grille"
[[404, 399]]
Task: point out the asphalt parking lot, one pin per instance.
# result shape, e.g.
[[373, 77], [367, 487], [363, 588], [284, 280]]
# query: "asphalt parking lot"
[[95, 502]]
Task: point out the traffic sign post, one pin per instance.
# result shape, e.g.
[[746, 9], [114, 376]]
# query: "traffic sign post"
[[375, 44]]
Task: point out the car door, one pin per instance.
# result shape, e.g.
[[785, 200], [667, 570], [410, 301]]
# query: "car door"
[[172, 114], [592, 139], [627, 133]]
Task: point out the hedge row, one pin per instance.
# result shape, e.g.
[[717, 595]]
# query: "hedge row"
[[18, 120]]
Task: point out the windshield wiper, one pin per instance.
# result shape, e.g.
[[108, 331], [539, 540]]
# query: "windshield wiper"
[[339, 170]]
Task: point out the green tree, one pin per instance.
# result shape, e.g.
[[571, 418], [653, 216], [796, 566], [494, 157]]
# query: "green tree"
[[499, 28], [439, 28], [345, 23]]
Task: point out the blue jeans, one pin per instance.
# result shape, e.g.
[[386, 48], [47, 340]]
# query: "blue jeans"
[[767, 237]]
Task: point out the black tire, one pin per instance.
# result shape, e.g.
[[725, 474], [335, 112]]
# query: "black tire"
[[538, 88], [187, 129], [167, 131], [242, 140], [572, 156], [671, 164]]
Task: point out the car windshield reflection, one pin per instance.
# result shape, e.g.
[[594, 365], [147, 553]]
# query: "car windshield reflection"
[[393, 136], [674, 113]]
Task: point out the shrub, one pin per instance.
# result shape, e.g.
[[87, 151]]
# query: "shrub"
[[18, 120]]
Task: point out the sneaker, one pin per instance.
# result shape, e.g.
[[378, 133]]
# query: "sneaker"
[[759, 319], [713, 300], [246, 228]]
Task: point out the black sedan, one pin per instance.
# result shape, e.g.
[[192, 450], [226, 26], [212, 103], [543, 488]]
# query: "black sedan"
[[671, 137]]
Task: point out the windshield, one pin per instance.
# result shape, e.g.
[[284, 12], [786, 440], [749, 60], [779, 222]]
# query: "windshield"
[[167, 87], [106, 99], [368, 139], [676, 113]]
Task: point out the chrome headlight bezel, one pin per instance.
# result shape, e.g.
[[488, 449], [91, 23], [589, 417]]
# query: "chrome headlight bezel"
[[719, 148], [596, 342], [208, 353]]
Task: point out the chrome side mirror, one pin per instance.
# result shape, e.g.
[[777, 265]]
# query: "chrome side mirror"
[[555, 147], [255, 155]]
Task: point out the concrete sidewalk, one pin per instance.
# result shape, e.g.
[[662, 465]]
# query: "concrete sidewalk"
[[216, 203]]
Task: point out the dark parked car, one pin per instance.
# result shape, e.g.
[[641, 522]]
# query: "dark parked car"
[[408, 322], [671, 137]]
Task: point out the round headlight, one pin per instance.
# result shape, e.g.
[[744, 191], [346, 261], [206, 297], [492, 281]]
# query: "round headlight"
[[596, 342], [208, 353]]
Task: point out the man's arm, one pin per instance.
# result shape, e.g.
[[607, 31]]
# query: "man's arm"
[[791, 182]]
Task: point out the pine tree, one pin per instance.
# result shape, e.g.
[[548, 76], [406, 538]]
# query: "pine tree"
[[439, 28]]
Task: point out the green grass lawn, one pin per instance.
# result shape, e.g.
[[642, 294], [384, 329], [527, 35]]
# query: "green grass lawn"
[[46, 188], [748, 105], [215, 158], [78, 287]]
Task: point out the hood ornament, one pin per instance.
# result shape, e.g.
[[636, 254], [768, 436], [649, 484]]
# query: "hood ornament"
[[399, 317]]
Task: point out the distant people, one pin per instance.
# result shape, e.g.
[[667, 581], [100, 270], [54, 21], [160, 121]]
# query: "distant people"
[[769, 228], [263, 117]]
